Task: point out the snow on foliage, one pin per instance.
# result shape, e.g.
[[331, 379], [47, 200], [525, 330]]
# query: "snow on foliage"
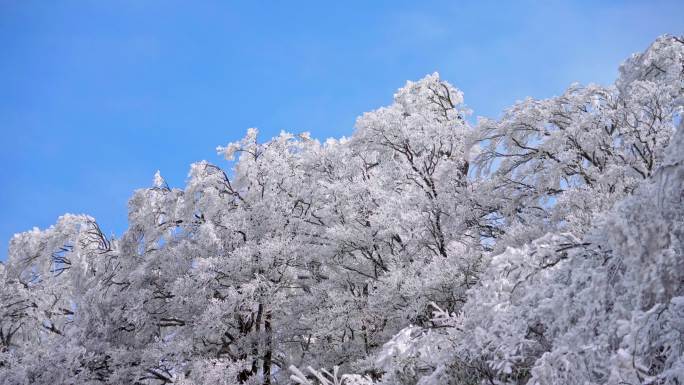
[[541, 248]]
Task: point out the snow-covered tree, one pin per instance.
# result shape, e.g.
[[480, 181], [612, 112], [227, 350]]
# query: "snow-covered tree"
[[554, 163]]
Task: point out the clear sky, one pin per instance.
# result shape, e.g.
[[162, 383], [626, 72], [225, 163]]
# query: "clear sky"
[[95, 96]]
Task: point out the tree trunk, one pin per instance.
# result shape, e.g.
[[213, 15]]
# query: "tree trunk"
[[257, 338], [269, 348]]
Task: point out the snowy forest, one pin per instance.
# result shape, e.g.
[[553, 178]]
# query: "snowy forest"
[[543, 247]]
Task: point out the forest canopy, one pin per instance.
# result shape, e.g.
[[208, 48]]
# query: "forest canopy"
[[544, 247]]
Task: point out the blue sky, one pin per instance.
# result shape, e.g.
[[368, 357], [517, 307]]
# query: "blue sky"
[[95, 96]]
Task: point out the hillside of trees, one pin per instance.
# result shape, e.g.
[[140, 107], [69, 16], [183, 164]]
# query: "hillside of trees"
[[544, 247]]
